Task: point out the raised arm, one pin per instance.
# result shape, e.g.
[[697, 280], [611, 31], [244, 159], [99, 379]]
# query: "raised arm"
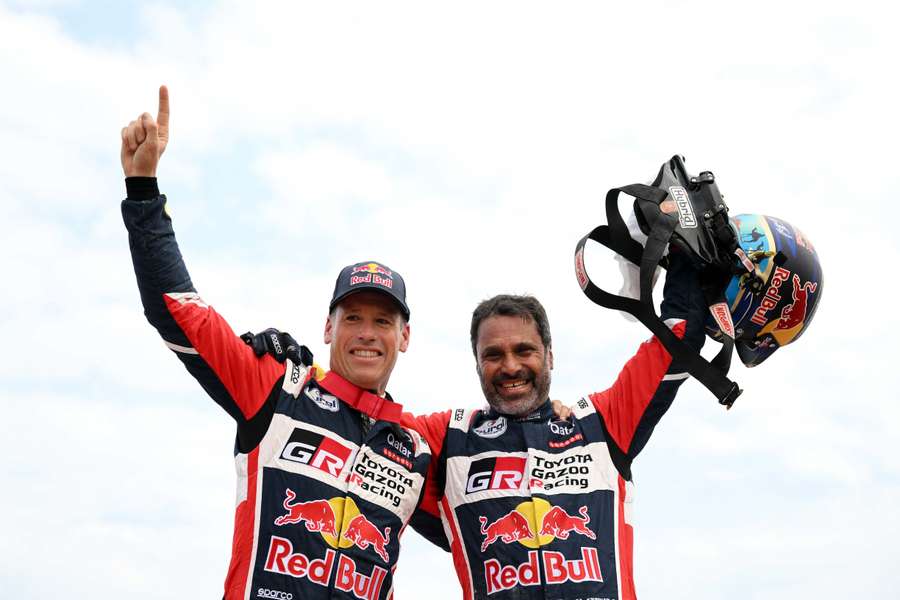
[[646, 386], [227, 369]]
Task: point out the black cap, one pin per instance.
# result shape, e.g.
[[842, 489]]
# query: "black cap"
[[370, 275]]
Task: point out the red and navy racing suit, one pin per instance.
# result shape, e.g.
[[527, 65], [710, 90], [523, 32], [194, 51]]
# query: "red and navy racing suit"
[[539, 508], [327, 478]]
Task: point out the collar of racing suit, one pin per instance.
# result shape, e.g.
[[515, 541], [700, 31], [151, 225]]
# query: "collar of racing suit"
[[383, 409], [542, 413]]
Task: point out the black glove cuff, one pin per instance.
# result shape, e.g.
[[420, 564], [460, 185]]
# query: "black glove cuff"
[[141, 188]]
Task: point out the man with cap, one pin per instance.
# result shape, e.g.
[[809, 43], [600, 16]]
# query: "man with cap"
[[327, 477]]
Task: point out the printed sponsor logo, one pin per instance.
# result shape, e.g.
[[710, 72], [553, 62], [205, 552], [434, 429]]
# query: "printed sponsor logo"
[[323, 401], [509, 528], [556, 570], [372, 278], [722, 316], [276, 594], [275, 343], [575, 438], [363, 534], [492, 429], [795, 313], [742, 256], [317, 515], [685, 210], [373, 268], [282, 559], [781, 227], [458, 415], [380, 479], [316, 450], [572, 469], [561, 427], [580, 272], [582, 403], [555, 522], [323, 516], [558, 523], [497, 473], [772, 297], [398, 452], [298, 372]]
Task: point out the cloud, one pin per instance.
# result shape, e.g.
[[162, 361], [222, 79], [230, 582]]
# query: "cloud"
[[469, 147]]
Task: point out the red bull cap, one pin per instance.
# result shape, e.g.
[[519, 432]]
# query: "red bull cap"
[[370, 275]]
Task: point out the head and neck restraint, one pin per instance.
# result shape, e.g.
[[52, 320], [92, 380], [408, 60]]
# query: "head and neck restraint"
[[689, 213]]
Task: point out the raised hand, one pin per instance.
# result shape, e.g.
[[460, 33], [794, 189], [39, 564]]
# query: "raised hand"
[[144, 140]]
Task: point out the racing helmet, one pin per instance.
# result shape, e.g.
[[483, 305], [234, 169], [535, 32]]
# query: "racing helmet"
[[774, 305]]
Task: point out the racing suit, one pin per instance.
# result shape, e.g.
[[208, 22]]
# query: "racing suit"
[[327, 478], [535, 508]]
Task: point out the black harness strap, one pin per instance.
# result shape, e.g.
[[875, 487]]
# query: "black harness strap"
[[616, 237]]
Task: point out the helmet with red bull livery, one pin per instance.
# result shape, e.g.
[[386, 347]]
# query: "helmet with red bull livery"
[[773, 306]]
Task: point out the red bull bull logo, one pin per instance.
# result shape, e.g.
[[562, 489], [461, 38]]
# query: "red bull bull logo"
[[520, 526], [558, 523], [317, 515], [362, 533], [374, 268], [509, 528], [795, 313]]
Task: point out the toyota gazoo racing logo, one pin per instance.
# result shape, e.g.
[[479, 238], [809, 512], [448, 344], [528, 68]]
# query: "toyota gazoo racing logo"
[[316, 450], [323, 516], [520, 526], [496, 473], [492, 429]]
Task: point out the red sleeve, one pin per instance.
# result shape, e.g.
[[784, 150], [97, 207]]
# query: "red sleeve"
[[427, 518], [640, 395], [220, 361]]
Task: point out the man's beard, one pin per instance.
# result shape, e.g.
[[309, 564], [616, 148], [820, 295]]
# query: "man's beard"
[[519, 407]]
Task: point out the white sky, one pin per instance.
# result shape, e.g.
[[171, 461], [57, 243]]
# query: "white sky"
[[469, 146]]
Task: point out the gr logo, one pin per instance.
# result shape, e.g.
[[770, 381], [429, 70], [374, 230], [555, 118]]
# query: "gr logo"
[[497, 473], [316, 450]]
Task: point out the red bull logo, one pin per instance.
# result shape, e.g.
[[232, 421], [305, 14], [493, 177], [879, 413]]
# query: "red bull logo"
[[362, 533], [281, 558], [795, 313], [557, 569], [520, 526], [555, 523], [317, 515], [373, 268], [772, 297], [509, 528], [558, 523]]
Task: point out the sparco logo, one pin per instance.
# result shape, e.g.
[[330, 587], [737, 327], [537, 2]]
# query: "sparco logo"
[[325, 401], [277, 594], [492, 429], [316, 450], [498, 473], [685, 210]]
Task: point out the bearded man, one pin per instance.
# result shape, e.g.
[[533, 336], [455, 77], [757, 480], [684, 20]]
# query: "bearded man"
[[535, 507]]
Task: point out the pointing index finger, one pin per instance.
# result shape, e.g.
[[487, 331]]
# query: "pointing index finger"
[[162, 117]]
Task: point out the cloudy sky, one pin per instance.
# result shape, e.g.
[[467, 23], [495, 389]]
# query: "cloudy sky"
[[469, 146]]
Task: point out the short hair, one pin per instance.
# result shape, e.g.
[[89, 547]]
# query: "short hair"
[[506, 305]]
